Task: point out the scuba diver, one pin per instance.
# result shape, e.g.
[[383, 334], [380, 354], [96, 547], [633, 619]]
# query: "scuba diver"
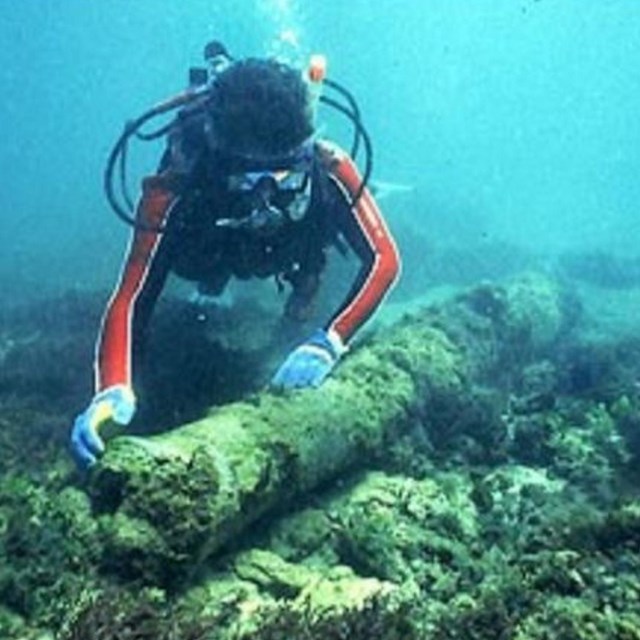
[[245, 188]]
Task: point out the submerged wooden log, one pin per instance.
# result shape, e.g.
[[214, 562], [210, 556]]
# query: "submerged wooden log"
[[170, 501]]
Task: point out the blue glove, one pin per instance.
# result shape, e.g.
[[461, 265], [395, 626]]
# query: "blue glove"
[[309, 364], [115, 404]]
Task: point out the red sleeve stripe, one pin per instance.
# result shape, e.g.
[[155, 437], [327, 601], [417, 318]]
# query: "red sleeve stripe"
[[386, 262], [114, 345]]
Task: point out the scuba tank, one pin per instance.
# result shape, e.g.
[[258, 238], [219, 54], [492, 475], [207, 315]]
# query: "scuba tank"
[[217, 58]]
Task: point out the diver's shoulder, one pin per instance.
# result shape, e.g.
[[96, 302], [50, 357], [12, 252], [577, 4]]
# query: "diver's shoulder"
[[329, 152]]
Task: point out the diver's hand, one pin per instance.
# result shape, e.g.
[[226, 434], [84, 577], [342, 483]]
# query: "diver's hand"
[[117, 404], [309, 364]]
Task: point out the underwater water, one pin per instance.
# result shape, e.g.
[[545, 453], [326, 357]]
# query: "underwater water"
[[472, 469], [512, 121]]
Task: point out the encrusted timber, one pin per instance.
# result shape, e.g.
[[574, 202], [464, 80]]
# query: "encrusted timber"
[[170, 501]]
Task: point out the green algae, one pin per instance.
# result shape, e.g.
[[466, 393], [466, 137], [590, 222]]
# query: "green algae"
[[197, 486], [501, 510], [48, 549]]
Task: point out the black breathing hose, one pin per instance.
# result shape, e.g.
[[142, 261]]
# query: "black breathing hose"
[[118, 155], [368, 147]]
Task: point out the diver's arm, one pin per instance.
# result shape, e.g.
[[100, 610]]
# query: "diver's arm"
[[362, 226], [367, 234], [142, 278]]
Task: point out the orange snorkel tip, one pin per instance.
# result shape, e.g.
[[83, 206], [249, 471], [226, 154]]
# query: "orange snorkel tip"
[[317, 70]]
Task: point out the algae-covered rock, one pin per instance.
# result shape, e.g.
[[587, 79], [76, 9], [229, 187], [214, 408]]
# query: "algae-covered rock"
[[613, 531], [517, 490], [535, 311], [48, 549], [259, 596], [309, 602], [118, 612], [588, 449], [272, 573], [574, 619], [349, 608], [399, 529]]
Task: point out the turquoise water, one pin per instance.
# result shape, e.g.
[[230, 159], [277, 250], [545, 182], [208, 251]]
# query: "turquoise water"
[[513, 120]]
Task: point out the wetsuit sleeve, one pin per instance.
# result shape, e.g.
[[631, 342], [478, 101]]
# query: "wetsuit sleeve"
[[364, 229], [142, 278]]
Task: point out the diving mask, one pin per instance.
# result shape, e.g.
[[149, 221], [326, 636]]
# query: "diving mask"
[[282, 180], [271, 196]]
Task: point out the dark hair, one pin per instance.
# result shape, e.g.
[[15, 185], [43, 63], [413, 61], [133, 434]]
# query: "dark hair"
[[260, 108]]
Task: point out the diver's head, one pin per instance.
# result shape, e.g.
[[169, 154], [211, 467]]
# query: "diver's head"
[[259, 110], [261, 123]]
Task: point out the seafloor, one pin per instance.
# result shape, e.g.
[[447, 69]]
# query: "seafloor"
[[513, 516]]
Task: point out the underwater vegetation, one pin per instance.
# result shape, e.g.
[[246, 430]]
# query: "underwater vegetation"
[[471, 472]]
